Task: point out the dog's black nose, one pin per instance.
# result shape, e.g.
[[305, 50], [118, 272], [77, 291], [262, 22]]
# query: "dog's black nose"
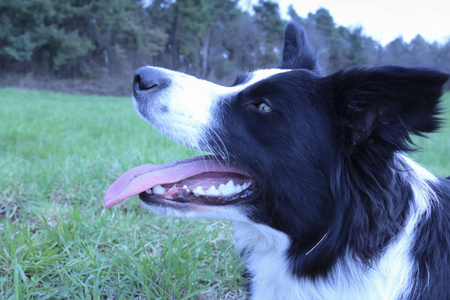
[[148, 79]]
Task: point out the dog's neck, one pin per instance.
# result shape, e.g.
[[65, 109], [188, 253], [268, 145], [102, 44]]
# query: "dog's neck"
[[270, 276], [263, 250]]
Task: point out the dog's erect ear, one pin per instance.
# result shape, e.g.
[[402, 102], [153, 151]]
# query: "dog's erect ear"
[[297, 52], [385, 104]]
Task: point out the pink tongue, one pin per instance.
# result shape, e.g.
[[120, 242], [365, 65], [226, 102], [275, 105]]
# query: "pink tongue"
[[144, 177]]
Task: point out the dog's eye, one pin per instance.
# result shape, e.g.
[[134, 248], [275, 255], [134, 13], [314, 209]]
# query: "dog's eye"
[[263, 107]]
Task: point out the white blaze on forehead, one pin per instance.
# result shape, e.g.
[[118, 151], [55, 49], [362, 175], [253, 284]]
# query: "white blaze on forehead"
[[253, 78], [265, 73]]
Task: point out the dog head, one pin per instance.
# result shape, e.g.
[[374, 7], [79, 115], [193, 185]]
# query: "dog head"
[[290, 141]]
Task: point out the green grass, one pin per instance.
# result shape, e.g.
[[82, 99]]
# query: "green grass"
[[434, 151], [58, 155]]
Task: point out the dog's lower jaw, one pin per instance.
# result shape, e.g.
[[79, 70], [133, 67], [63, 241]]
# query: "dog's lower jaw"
[[196, 211]]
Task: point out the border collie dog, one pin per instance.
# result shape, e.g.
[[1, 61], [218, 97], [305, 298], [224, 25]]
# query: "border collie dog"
[[311, 170]]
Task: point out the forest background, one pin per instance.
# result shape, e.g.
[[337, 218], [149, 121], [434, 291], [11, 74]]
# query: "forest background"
[[59, 153], [93, 47]]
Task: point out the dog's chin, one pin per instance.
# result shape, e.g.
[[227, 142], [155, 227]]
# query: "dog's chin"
[[221, 208]]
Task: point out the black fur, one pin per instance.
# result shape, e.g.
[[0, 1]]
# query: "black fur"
[[325, 160], [297, 50], [431, 249]]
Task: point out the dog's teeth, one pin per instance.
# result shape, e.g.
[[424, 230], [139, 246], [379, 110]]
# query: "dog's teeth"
[[186, 188], [159, 190], [212, 191], [230, 184], [222, 188], [246, 185], [149, 191], [228, 188], [198, 190]]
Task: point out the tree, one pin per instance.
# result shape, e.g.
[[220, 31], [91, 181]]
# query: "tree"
[[243, 48], [35, 29], [119, 30], [71, 38], [420, 52], [212, 39], [395, 53], [197, 30], [267, 15], [357, 55], [222, 19]]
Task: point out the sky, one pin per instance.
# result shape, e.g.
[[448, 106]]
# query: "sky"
[[385, 20]]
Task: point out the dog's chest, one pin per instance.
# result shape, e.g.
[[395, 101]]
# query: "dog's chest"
[[270, 276]]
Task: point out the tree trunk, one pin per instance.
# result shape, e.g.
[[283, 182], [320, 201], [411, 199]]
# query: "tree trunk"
[[173, 40], [205, 52]]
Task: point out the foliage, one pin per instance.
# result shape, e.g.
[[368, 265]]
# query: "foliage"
[[66, 37], [267, 15], [32, 27], [212, 39]]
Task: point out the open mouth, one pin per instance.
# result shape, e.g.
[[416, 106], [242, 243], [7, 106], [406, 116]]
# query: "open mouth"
[[204, 180]]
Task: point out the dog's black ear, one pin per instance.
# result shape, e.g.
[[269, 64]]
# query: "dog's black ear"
[[386, 104], [297, 52]]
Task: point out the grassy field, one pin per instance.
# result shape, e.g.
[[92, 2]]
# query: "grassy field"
[[58, 155]]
